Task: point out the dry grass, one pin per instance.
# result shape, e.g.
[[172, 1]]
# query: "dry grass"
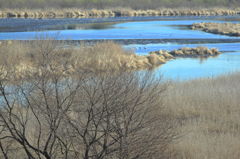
[[83, 13], [198, 52], [208, 111], [112, 56], [229, 29], [24, 58]]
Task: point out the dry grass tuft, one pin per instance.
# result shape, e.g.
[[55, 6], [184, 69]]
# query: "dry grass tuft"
[[198, 52]]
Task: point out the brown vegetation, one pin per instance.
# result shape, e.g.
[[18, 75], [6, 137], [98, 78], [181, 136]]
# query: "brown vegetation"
[[80, 13], [208, 111], [25, 57], [110, 114], [229, 29]]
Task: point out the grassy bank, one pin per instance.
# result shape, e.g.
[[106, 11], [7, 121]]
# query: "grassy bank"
[[84, 13]]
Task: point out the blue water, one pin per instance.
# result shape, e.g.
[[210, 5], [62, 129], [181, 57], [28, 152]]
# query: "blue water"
[[173, 28], [189, 68], [145, 49], [125, 30]]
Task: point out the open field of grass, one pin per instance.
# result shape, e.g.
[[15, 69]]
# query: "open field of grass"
[[84, 13]]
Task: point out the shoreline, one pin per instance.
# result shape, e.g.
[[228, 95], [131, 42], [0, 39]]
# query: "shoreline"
[[80, 13]]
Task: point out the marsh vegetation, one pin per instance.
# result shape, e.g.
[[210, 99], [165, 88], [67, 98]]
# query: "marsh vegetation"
[[208, 112], [24, 58], [101, 100], [96, 113]]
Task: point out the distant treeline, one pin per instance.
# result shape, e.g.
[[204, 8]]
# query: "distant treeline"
[[100, 4]]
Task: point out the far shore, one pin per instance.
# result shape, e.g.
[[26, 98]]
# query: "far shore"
[[115, 12]]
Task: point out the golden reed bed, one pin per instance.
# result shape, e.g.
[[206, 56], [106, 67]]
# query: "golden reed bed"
[[80, 13]]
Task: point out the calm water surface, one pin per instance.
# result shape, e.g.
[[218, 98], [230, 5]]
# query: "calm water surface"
[[175, 29], [188, 68]]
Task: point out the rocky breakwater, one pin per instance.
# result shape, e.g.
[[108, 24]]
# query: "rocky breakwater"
[[229, 29]]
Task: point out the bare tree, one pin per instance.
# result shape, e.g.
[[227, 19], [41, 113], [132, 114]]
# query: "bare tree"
[[48, 114], [117, 118], [33, 106]]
